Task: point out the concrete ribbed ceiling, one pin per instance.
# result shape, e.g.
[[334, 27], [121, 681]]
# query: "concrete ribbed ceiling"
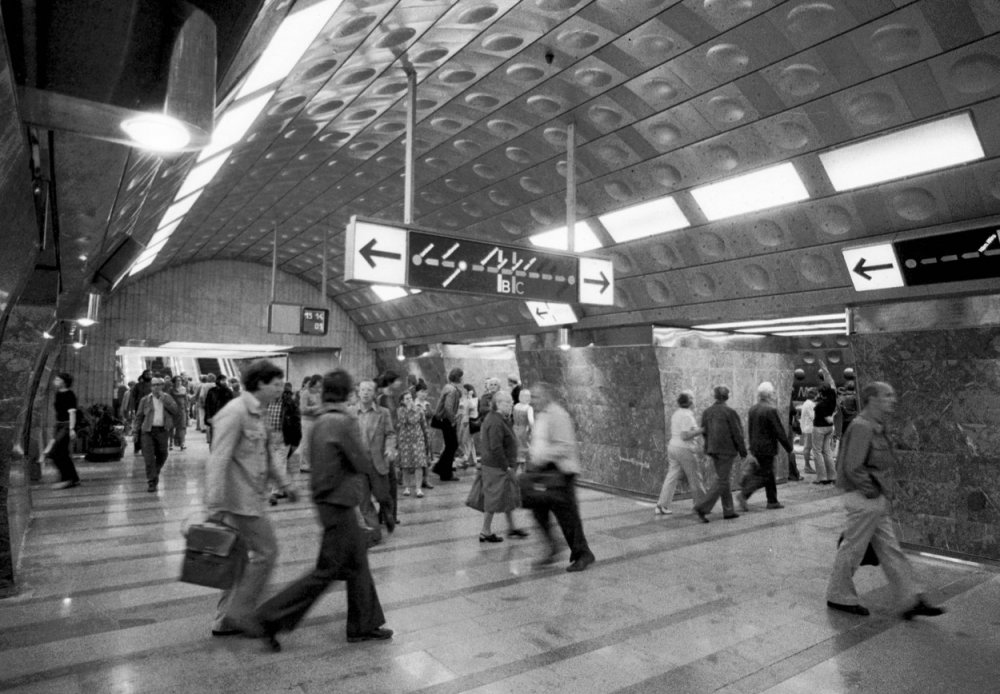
[[665, 96]]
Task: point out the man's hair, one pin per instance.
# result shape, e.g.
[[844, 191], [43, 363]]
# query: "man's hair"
[[221, 378], [765, 390], [337, 386], [386, 379], [65, 378], [685, 399], [455, 375], [721, 393], [872, 390], [314, 379], [368, 381], [260, 372]]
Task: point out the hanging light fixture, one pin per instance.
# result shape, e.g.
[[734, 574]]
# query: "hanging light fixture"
[[50, 332], [80, 340], [93, 306], [400, 354], [564, 339]]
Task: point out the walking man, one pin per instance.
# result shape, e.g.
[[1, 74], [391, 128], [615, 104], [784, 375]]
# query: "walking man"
[[766, 432], [237, 481], [865, 469], [723, 442], [152, 417], [378, 437]]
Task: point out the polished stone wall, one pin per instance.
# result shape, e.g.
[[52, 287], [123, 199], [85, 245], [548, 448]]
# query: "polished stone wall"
[[947, 430], [622, 398]]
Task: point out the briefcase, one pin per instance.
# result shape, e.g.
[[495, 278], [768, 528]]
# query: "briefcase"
[[213, 557]]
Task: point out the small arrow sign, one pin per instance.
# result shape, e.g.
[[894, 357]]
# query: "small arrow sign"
[[860, 268], [368, 252], [539, 312], [603, 282]]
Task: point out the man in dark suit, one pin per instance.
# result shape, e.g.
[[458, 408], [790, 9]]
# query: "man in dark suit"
[[766, 432], [723, 442]]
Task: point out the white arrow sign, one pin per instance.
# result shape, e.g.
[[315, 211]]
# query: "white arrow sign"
[[375, 253], [597, 281], [873, 267], [548, 314]]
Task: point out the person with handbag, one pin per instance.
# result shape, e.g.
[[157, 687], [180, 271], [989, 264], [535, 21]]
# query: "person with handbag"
[[499, 488], [64, 433], [554, 467], [864, 473], [236, 491], [342, 475], [446, 419]]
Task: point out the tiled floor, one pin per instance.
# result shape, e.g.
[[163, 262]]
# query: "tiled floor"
[[671, 605]]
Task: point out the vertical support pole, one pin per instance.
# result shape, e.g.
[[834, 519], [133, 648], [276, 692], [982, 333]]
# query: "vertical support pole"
[[274, 263], [571, 187], [323, 275], [411, 126]]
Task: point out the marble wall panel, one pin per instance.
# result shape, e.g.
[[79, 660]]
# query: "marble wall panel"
[[947, 429]]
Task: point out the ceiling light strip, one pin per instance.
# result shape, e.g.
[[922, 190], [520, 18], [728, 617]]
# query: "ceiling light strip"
[[751, 192], [771, 321], [650, 218]]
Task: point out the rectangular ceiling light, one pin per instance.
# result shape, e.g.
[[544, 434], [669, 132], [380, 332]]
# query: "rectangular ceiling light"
[[234, 123], [821, 318], [922, 148], [388, 293], [288, 44], [645, 219], [202, 174], [757, 190], [558, 239], [180, 208], [140, 266], [164, 233], [508, 342]]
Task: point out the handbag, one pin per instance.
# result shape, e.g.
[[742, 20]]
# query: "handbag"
[[213, 556], [477, 497], [437, 422], [541, 487], [475, 425]]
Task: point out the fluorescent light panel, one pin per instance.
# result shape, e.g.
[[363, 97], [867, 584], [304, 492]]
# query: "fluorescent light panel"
[[289, 43], [234, 124], [823, 317], [180, 208], [927, 147], [388, 293], [202, 174], [757, 190], [646, 219], [558, 239], [509, 342]]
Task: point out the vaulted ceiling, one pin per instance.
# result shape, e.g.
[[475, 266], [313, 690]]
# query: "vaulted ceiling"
[[665, 95]]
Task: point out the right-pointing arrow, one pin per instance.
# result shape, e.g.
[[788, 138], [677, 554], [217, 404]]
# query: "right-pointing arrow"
[[603, 282], [860, 268], [368, 252]]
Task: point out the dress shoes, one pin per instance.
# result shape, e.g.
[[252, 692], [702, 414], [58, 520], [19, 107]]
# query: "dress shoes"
[[797, 478], [425, 485], [922, 609], [702, 515], [741, 499], [227, 632], [380, 634], [546, 561], [582, 563], [731, 516], [492, 537], [775, 505], [858, 610], [517, 532]]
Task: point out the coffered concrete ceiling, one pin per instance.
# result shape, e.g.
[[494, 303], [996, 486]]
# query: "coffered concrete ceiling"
[[665, 96]]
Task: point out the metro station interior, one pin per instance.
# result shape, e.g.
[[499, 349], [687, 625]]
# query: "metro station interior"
[[756, 190]]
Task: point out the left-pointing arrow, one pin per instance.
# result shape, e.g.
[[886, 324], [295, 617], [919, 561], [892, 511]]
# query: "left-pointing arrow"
[[603, 282], [368, 252]]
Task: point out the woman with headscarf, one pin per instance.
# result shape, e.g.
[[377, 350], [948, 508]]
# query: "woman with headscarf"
[[499, 461]]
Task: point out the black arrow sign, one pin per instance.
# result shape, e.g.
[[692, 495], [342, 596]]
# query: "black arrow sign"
[[603, 282], [368, 252], [863, 271]]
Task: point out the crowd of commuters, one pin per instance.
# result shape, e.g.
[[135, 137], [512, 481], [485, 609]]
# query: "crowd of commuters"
[[360, 444]]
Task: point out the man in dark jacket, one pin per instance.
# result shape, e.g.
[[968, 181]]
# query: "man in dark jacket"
[[141, 389], [215, 401], [766, 432], [723, 442], [340, 464]]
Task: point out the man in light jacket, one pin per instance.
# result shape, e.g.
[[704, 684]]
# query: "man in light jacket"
[[153, 419], [378, 436], [553, 446], [236, 490]]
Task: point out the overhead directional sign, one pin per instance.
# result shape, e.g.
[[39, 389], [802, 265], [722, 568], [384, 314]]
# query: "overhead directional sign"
[[873, 267], [973, 254], [550, 314], [375, 253], [385, 254]]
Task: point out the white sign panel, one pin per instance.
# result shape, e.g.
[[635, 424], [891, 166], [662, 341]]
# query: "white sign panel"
[[375, 253], [873, 267], [597, 281], [548, 314]]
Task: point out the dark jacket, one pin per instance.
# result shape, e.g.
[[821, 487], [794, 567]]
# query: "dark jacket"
[[826, 405], [291, 422], [447, 407], [139, 391], [499, 445], [723, 431], [766, 430], [339, 459], [216, 400]]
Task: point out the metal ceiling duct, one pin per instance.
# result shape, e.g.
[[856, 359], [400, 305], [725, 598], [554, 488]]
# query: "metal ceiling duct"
[[88, 66]]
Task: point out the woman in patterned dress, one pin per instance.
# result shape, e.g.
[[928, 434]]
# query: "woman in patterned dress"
[[411, 443]]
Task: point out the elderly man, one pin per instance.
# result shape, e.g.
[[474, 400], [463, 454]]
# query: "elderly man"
[[236, 488], [152, 419], [378, 437], [723, 442], [766, 432], [553, 447], [864, 473]]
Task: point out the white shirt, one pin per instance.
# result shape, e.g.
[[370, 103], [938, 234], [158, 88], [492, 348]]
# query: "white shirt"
[[553, 440], [807, 416], [157, 412], [681, 422]]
